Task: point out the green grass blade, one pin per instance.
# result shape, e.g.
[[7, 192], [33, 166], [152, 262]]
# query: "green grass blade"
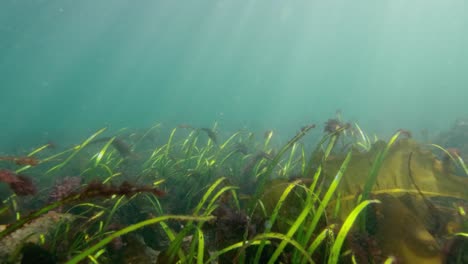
[[39, 149], [102, 152], [292, 230], [128, 229], [264, 177], [331, 190], [374, 172], [201, 247], [76, 150], [207, 194], [172, 237], [326, 199], [319, 239], [169, 143], [336, 247], [229, 140], [218, 194], [287, 240], [237, 245], [273, 217]]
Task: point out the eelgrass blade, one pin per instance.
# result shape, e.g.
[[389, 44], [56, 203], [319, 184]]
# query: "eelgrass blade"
[[237, 245], [462, 164], [269, 135], [39, 149], [76, 150], [207, 194], [318, 172], [172, 237], [264, 177], [461, 234], [169, 143], [319, 213], [102, 152], [456, 159], [53, 157], [229, 140], [131, 228], [336, 247], [114, 209], [292, 230], [365, 142], [288, 164], [303, 161], [176, 243], [201, 246], [319, 239], [208, 211], [445, 151], [257, 240], [273, 217], [287, 240], [147, 133], [374, 172], [230, 154], [218, 194]]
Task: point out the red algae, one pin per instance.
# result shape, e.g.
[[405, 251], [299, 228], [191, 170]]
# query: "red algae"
[[20, 184]]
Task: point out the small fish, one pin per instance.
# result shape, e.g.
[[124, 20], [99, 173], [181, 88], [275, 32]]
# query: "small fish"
[[124, 149], [211, 134]]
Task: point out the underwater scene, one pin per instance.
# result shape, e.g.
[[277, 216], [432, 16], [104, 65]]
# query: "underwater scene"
[[233, 131]]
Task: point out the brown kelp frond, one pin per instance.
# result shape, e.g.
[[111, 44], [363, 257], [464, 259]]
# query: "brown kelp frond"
[[435, 214], [31, 161], [20, 184]]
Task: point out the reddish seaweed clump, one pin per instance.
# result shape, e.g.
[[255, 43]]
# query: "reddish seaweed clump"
[[98, 189], [64, 188], [22, 161], [20, 184], [335, 125]]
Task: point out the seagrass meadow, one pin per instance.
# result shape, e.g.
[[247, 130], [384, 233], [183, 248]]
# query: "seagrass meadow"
[[197, 197], [233, 131]]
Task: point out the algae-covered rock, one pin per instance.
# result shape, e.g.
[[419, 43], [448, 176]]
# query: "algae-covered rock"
[[30, 233]]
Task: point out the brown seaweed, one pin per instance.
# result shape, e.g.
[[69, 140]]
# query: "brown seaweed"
[[20, 184], [31, 161]]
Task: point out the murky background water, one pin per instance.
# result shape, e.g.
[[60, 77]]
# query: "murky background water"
[[70, 67]]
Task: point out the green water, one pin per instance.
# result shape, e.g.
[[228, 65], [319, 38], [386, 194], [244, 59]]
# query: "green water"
[[70, 67]]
